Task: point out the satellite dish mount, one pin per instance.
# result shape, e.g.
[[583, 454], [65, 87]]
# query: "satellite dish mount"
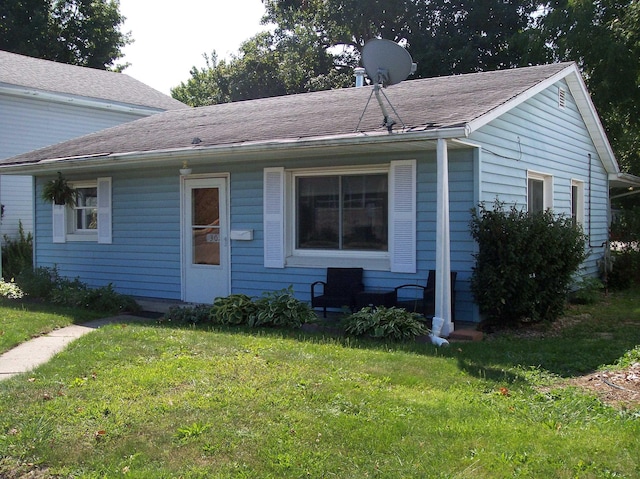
[[386, 63]]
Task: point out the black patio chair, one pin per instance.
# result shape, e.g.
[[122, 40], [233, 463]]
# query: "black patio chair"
[[425, 303], [339, 290]]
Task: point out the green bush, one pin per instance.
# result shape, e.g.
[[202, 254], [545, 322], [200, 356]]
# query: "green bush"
[[380, 322], [38, 283], [17, 254], [281, 308], [525, 263], [625, 254], [47, 284], [233, 309]]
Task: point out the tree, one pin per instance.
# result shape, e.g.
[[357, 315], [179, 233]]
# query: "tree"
[[266, 65], [79, 32], [603, 38]]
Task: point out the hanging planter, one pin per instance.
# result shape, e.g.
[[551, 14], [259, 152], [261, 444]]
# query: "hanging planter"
[[59, 192]]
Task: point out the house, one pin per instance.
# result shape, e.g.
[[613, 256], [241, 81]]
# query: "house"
[[258, 195], [44, 102]]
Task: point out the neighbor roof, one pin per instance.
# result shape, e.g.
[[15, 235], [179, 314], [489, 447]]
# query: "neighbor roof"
[[453, 104], [61, 78]]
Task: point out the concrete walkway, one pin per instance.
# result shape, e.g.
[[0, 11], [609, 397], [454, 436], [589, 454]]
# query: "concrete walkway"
[[37, 351]]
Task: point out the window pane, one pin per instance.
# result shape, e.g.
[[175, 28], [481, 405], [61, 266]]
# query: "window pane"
[[318, 212], [574, 203], [364, 219], [205, 226], [87, 219], [536, 196], [88, 197], [206, 246]]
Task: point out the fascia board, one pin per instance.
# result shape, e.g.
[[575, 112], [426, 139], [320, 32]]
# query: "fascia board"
[[66, 99]]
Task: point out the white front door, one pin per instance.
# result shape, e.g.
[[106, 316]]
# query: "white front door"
[[205, 238]]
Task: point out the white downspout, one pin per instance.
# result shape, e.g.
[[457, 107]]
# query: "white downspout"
[[442, 324]]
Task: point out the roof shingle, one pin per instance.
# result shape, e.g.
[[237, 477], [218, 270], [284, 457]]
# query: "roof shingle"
[[443, 102], [61, 78]]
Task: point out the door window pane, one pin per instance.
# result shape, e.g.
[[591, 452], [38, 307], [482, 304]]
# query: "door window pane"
[[205, 226]]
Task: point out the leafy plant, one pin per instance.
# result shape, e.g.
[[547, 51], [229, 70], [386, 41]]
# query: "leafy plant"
[[587, 292], [281, 308], [625, 254], [47, 284], [233, 309], [59, 192], [525, 263], [10, 290], [17, 254], [380, 322]]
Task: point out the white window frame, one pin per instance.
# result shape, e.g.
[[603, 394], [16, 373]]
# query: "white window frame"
[[547, 188], [63, 216], [280, 216], [578, 208]]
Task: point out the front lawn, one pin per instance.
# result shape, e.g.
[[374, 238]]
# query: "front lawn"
[[23, 320], [146, 400]]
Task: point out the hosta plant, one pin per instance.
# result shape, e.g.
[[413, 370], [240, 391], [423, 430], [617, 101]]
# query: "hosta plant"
[[380, 322]]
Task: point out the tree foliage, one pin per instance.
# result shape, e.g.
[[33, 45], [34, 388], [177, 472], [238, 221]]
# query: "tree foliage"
[[78, 32], [603, 38]]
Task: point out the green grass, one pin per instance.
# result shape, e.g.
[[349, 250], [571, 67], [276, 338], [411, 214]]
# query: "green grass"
[[143, 400], [21, 321]]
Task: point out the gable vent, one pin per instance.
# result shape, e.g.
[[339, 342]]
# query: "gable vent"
[[562, 98]]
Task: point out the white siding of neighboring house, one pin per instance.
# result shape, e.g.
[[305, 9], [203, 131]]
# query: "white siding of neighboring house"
[[28, 123]]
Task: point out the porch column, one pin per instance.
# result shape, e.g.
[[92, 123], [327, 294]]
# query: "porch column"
[[443, 247]]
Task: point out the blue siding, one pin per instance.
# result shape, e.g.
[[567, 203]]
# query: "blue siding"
[[144, 258], [540, 136]]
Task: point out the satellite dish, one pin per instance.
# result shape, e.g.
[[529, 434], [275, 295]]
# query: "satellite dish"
[[386, 62]]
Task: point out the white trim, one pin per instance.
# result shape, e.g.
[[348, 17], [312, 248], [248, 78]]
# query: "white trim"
[[580, 211], [88, 102]]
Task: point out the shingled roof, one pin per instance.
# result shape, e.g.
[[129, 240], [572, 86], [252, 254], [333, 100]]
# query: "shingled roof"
[[442, 103], [61, 78]]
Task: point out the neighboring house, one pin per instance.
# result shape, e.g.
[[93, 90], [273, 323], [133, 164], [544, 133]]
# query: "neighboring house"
[[276, 190], [43, 103]]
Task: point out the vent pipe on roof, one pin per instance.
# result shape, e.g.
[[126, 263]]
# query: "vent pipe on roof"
[[359, 72]]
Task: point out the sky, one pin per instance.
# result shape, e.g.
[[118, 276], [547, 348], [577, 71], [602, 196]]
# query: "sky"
[[171, 37]]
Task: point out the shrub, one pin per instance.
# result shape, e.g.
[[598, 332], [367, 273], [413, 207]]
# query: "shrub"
[[380, 322], [17, 254], [587, 292], [233, 309], [525, 263], [38, 283], [47, 284], [625, 254], [281, 308]]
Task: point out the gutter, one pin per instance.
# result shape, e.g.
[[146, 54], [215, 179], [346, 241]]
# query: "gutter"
[[87, 102], [246, 151]]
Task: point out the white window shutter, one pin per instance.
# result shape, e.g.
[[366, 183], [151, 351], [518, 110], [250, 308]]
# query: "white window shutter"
[[59, 221], [273, 217], [402, 216], [104, 210]]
